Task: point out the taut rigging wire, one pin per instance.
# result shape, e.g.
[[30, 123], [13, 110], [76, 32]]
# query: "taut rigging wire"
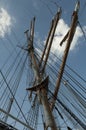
[[54, 55], [82, 30], [74, 105], [21, 108], [14, 84], [55, 71], [53, 67], [47, 7], [65, 80], [69, 111], [13, 95], [10, 68]]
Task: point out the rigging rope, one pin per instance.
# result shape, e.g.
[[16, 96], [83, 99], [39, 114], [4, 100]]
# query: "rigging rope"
[[72, 114], [13, 97]]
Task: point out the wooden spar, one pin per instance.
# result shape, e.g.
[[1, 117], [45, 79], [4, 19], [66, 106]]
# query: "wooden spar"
[[42, 91], [50, 38], [70, 38], [46, 44], [31, 49], [42, 84], [32, 30]]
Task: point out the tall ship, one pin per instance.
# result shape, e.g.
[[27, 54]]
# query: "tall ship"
[[38, 89]]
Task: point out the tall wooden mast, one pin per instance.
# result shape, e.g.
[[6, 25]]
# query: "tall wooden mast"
[[40, 90], [41, 83], [69, 36]]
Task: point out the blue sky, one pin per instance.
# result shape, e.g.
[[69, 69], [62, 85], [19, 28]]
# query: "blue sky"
[[15, 16], [19, 16]]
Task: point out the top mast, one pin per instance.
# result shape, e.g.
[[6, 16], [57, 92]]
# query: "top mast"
[[70, 36]]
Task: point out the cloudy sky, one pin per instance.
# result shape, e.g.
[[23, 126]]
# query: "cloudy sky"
[[15, 16], [5, 22]]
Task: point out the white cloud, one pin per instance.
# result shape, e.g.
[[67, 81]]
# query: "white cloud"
[[61, 31], [5, 22]]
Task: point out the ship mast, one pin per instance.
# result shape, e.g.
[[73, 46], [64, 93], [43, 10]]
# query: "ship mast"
[[41, 83], [69, 36]]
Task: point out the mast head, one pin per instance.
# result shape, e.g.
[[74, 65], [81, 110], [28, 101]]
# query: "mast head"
[[59, 10], [77, 6]]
